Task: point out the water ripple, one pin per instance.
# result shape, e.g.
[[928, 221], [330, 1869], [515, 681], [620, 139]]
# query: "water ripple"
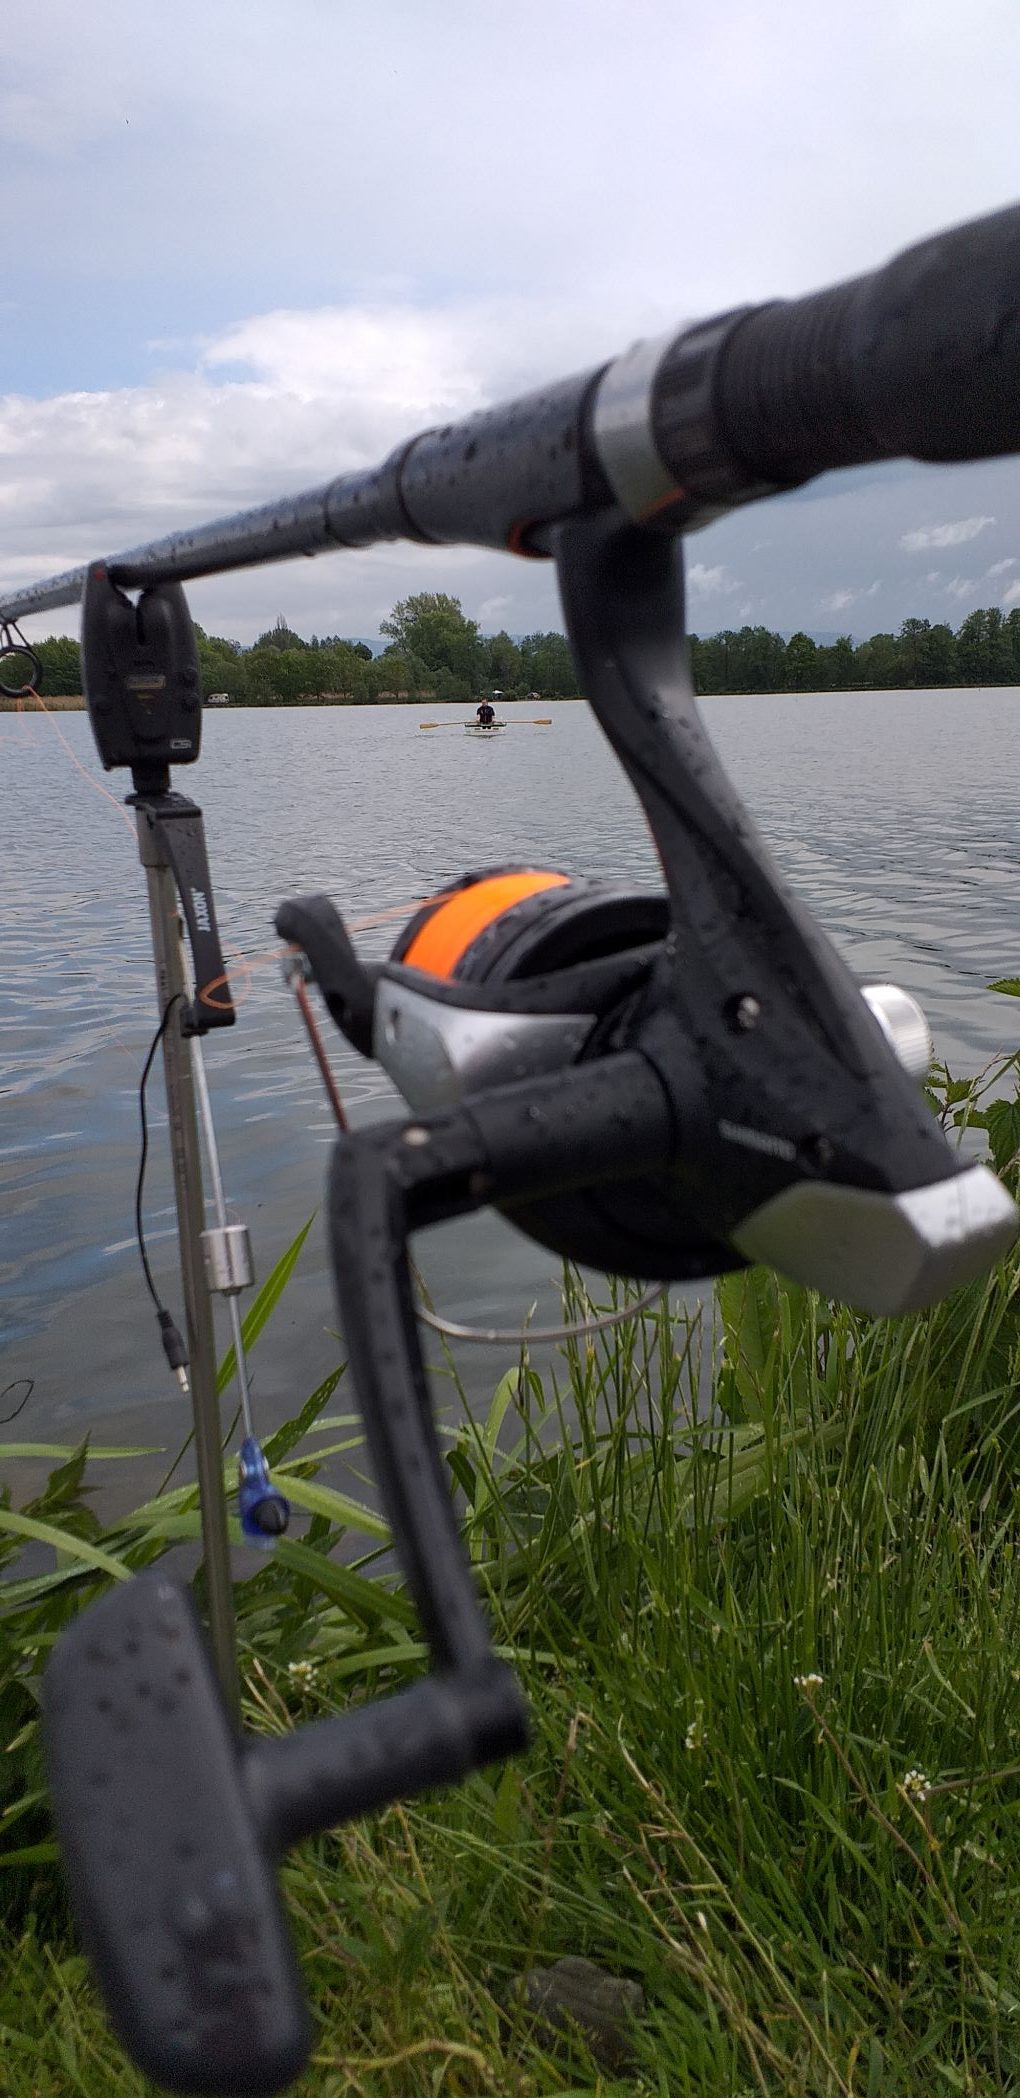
[[894, 816]]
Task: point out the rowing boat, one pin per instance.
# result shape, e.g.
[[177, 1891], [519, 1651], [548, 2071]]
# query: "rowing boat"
[[481, 728]]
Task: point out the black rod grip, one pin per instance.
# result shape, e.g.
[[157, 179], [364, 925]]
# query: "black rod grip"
[[919, 359]]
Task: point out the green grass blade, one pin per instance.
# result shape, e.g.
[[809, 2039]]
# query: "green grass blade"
[[62, 1541], [263, 1304], [337, 1507]]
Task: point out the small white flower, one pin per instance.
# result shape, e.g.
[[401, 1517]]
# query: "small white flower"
[[917, 1786], [302, 1674], [695, 1735], [701, 1919], [807, 1682]]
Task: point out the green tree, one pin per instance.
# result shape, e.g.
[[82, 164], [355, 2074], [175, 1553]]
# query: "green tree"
[[842, 669], [1011, 635], [338, 668], [501, 664], [280, 636], [277, 676], [547, 666], [396, 671], [708, 663], [431, 628], [881, 663], [940, 656], [801, 664], [223, 669], [60, 665], [758, 661], [984, 649], [332, 641]]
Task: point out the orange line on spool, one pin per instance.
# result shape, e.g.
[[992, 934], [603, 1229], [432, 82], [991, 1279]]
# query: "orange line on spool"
[[447, 935]]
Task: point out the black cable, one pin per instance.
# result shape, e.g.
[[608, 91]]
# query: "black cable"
[[173, 1345], [29, 1382], [139, 1228]]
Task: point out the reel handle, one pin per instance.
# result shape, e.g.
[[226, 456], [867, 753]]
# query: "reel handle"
[[599, 1122]]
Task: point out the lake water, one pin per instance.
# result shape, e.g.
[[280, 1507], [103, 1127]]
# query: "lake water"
[[894, 815]]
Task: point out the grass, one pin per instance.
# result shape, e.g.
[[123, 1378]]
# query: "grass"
[[773, 1661]]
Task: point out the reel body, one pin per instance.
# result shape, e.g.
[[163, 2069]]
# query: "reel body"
[[519, 942]]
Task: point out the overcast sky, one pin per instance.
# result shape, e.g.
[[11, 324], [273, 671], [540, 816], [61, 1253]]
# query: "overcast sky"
[[250, 243]]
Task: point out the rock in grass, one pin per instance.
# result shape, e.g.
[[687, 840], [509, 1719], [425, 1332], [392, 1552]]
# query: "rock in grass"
[[575, 1992]]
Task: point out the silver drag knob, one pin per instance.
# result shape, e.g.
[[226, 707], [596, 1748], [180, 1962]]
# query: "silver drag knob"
[[903, 1024]]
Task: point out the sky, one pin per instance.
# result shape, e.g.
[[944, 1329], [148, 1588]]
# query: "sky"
[[253, 243]]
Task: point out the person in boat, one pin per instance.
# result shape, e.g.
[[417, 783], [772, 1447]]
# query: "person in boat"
[[485, 714]]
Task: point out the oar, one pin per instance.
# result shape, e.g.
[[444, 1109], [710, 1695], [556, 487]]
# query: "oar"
[[539, 721]]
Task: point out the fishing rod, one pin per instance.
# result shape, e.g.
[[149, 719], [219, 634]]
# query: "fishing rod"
[[665, 1086]]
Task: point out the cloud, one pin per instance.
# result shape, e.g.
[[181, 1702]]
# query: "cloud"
[[838, 600], [1012, 595], [956, 534], [493, 609], [1001, 567], [283, 401], [711, 582]]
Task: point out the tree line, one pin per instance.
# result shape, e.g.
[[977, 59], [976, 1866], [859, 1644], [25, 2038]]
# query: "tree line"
[[434, 652], [983, 650]]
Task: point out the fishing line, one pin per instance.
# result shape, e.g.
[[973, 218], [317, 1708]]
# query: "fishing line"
[[173, 1345], [77, 763], [512, 1336]]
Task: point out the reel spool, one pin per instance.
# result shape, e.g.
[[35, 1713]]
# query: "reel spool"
[[530, 931], [509, 923]]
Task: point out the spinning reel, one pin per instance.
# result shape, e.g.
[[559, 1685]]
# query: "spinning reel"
[[667, 1086]]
